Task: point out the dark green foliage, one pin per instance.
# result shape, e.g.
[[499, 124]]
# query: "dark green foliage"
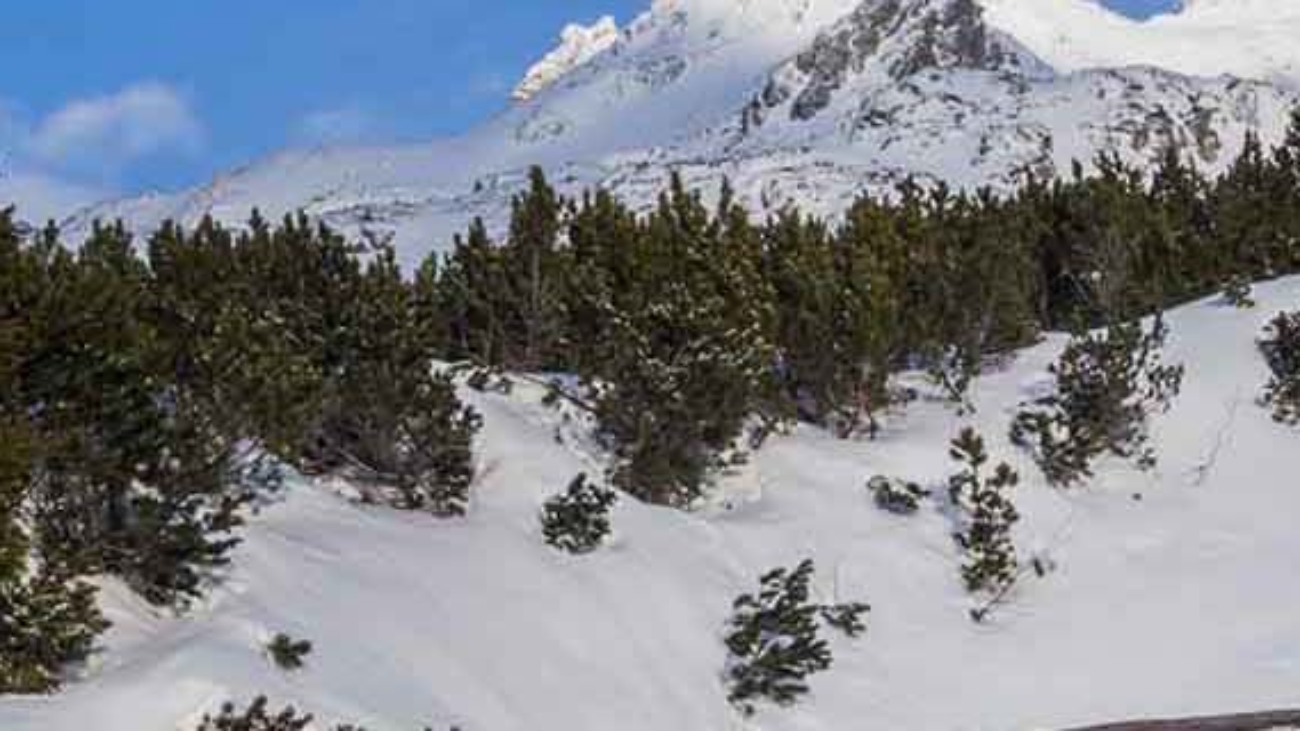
[[288, 653], [686, 324], [46, 623], [774, 644], [847, 618], [1281, 349], [578, 520], [988, 515], [151, 398], [685, 360], [388, 418], [47, 620], [334, 362], [833, 300], [255, 718], [132, 476], [1107, 383], [896, 496]]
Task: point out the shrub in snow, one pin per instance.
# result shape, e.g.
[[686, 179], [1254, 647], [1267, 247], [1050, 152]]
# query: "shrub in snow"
[[988, 516], [774, 639], [255, 718], [410, 437], [847, 618], [1107, 383], [897, 496], [774, 643], [288, 653], [46, 623], [577, 521], [1237, 293], [1281, 348]]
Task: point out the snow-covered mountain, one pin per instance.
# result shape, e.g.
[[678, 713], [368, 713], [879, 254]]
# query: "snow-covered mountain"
[[805, 101], [578, 45]]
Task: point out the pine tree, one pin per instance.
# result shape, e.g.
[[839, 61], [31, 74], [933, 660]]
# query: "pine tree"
[[990, 564], [687, 359], [470, 291], [774, 642], [533, 276], [577, 521], [47, 620], [1107, 384], [1281, 348], [135, 478], [388, 418]]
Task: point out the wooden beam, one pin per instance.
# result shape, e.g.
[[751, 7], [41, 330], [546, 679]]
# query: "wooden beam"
[[1268, 721]]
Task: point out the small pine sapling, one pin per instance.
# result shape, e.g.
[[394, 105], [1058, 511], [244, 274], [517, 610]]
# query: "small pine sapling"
[[847, 618], [897, 496], [988, 515], [287, 653], [1281, 348], [774, 644], [255, 718], [577, 521]]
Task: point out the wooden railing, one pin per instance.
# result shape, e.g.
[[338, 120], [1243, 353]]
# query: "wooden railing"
[[1239, 722]]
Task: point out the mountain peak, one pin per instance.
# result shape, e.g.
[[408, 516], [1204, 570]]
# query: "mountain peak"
[[578, 45]]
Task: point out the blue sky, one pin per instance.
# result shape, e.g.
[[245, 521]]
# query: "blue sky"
[[129, 95]]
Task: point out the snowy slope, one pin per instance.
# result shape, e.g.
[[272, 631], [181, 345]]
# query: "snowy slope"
[[811, 102], [1180, 602], [1247, 38]]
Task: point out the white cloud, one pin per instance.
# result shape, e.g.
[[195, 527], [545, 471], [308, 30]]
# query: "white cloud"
[[341, 126], [51, 166], [106, 133]]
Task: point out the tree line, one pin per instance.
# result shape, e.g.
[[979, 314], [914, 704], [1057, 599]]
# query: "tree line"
[[149, 392], [696, 328]]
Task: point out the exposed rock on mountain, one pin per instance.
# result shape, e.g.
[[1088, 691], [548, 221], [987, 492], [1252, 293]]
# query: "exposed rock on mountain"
[[811, 102]]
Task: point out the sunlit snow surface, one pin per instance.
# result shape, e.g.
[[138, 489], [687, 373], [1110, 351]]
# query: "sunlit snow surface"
[[1177, 603]]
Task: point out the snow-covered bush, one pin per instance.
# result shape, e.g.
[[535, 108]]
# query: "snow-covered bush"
[[577, 521], [288, 653], [255, 718], [774, 642], [897, 496], [988, 515], [1107, 384], [46, 623], [1281, 348], [774, 639], [847, 618]]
